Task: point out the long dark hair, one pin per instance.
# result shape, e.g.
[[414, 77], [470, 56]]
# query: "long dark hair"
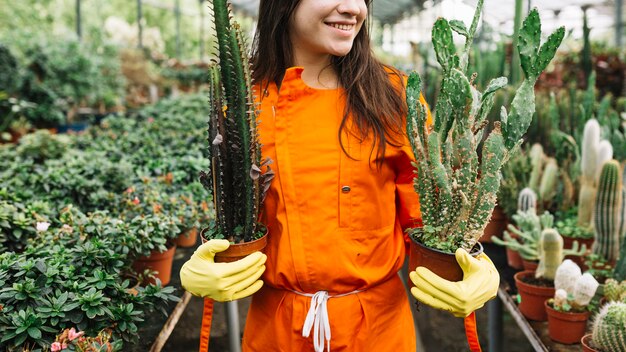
[[374, 101]]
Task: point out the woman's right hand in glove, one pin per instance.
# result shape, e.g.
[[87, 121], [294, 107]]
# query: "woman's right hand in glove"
[[203, 277]]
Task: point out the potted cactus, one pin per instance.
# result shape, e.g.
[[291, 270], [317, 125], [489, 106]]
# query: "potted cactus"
[[614, 291], [568, 311], [609, 330], [236, 178], [529, 230], [535, 287], [458, 190]]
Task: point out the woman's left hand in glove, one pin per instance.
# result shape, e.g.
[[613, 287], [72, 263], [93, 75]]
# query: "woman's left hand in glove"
[[479, 285]]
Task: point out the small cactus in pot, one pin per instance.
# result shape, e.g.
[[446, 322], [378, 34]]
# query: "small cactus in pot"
[[609, 328], [457, 190]]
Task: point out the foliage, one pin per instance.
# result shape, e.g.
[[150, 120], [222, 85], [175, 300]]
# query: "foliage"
[[456, 203], [567, 224], [18, 221]]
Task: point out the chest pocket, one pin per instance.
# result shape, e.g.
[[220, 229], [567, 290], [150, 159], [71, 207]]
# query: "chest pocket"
[[366, 193]]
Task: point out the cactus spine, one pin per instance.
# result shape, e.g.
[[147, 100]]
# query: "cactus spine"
[[235, 178], [609, 328], [608, 212], [456, 204], [550, 253], [527, 199], [615, 291]]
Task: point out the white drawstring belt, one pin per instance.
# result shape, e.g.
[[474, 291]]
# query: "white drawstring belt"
[[317, 318]]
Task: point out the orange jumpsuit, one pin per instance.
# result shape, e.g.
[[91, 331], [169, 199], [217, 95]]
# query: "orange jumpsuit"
[[335, 224]]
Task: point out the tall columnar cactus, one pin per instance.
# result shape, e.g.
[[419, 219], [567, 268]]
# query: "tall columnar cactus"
[[549, 178], [594, 154], [609, 328], [537, 158], [550, 251], [455, 202], [235, 179], [608, 215], [527, 200]]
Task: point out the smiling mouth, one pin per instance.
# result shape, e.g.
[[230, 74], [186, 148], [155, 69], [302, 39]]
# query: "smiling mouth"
[[343, 27]]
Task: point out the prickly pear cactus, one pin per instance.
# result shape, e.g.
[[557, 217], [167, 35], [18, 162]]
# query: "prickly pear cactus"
[[235, 178], [456, 204], [608, 212], [550, 254], [609, 328], [527, 200]]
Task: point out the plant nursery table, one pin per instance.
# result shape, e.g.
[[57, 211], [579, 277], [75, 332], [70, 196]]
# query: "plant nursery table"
[[157, 327]]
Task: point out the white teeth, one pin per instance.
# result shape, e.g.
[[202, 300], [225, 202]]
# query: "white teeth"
[[343, 27]]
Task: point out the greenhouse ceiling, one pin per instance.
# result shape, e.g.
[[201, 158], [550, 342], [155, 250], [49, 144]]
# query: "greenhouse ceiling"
[[601, 13]]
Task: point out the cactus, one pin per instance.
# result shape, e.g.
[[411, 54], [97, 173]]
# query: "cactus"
[[549, 178], [585, 289], [609, 328], [528, 229], [527, 200], [615, 291], [589, 168], [235, 179], [566, 276], [608, 212], [550, 251], [455, 203], [537, 157]]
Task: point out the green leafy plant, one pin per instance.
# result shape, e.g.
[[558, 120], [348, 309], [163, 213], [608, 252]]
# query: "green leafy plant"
[[457, 191], [235, 179]]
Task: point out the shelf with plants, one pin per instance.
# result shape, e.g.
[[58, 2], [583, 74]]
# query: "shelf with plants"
[[76, 211]]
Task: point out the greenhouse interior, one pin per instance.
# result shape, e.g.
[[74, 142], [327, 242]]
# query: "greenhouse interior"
[[450, 182]]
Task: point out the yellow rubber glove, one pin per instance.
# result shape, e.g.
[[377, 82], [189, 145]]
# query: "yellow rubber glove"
[[201, 276], [479, 285]]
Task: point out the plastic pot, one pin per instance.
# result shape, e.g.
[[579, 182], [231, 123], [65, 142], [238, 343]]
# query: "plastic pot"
[[441, 263], [532, 297], [187, 238], [514, 259], [566, 327], [530, 265], [239, 250], [586, 342], [161, 262], [496, 226]]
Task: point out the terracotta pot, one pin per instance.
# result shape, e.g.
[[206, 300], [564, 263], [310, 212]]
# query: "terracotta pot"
[[441, 263], [586, 342], [514, 259], [496, 226], [530, 265], [187, 238], [566, 327], [239, 250], [532, 297], [568, 243], [161, 262], [133, 283]]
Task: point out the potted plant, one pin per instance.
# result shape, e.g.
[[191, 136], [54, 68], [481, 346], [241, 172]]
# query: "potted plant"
[[609, 330], [535, 287], [458, 190], [525, 237], [614, 291], [236, 179], [568, 311]]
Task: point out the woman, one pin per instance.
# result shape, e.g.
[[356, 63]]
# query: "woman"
[[332, 121]]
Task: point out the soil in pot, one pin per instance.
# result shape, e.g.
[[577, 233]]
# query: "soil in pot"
[[533, 293], [238, 250], [439, 262], [161, 262], [586, 342], [566, 327]]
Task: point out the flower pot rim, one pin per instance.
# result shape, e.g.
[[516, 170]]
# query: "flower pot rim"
[[475, 252], [545, 290], [569, 316]]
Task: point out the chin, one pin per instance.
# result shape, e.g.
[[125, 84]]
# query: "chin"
[[341, 51]]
